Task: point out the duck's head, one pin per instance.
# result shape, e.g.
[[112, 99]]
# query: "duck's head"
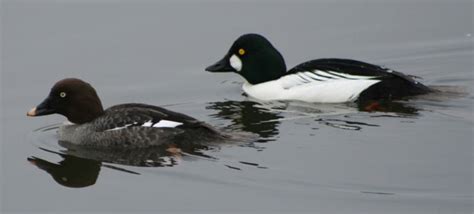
[[72, 98], [254, 58]]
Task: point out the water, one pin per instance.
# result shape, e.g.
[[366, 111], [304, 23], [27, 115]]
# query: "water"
[[415, 157]]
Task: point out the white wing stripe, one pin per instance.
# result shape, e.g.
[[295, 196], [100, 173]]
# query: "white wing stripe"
[[160, 124], [333, 75], [317, 75], [348, 76], [313, 76], [118, 128], [340, 75], [304, 78], [148, 124], [167, 124], [326, 75]]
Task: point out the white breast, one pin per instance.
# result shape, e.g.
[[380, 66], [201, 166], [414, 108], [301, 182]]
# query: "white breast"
[[315, 86]]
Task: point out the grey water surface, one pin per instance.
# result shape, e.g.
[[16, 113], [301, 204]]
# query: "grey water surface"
[[414, 156]]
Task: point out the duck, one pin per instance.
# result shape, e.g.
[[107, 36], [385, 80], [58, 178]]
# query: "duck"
[[326, 80], [129, 125]]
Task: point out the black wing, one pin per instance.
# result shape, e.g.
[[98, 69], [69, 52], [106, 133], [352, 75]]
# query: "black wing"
[[394, 84], [347, 66]]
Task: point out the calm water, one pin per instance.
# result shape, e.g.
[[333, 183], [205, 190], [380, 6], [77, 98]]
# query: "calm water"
[[417, 157]]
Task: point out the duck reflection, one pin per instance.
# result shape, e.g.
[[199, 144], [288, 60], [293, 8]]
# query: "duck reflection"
[[264, 118], [71, 171], [80, 166], [166, 155], [248, 116], [389, 106]]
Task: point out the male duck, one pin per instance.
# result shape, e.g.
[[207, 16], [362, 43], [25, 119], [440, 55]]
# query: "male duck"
[[125, 125], [321, 80]]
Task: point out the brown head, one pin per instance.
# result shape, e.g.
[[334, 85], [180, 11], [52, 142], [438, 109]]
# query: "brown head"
[[73, 98]]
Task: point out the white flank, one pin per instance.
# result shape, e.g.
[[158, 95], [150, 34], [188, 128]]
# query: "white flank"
[[167, 124], [311, 87], [235, 62]]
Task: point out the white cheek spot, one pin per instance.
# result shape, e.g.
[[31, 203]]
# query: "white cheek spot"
[[167, 123], [236, 63]]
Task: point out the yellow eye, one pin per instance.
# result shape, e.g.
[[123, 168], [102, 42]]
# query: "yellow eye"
[[62, 94], [241, 52]]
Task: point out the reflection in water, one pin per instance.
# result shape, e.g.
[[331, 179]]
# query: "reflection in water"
[[80, 166], [248, 116], [71, 171], [264, 118], [398, 107], [157, 156], [344, 124]]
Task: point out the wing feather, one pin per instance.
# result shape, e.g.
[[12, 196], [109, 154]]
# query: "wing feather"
[[318, 77], [134, 114]]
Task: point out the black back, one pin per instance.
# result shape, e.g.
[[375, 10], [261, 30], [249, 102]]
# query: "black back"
[[393, 84]]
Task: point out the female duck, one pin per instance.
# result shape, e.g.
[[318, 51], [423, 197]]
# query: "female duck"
[[125, 125], [322, 80]]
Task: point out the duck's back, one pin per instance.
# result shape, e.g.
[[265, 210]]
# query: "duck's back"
[[388, 84]]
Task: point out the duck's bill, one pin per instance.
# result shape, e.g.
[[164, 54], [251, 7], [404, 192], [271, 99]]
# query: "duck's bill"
[[222, 65], [41, 109]]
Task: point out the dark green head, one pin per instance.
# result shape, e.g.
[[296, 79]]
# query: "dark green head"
[[254, 58]]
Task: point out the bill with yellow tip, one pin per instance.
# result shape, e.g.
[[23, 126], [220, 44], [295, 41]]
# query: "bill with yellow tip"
[[31, 113]]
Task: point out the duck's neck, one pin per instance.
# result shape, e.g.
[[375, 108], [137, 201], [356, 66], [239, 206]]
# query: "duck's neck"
[[82, 114], [264, 69], [266, 76]]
